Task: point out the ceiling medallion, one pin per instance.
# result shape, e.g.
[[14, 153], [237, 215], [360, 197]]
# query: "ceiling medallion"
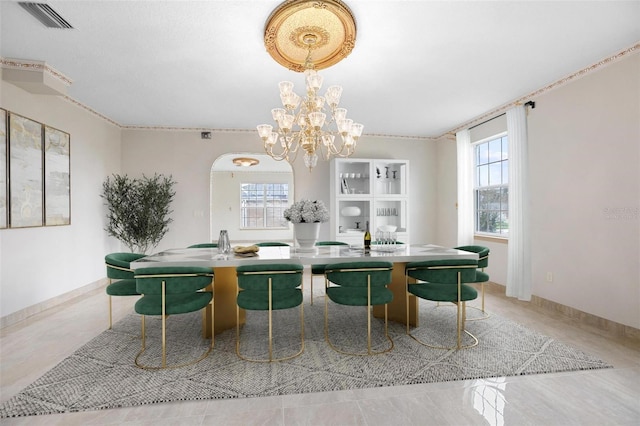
[[330, 22]]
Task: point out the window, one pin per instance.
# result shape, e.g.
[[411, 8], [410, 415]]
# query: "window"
[[262, 205], [491, 186]]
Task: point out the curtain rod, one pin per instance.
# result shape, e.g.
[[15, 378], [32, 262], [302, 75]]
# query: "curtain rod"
[[531, 104], [486, 121]]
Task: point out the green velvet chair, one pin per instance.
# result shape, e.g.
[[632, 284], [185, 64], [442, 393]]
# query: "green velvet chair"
[[481, 276], [358, 284], [121, 281], [319, 269], [272, 244], [173, 290], [204, 245], [443, 281], [269, 287]]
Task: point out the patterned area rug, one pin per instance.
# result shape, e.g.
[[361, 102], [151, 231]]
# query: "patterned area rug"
[[102, 374]]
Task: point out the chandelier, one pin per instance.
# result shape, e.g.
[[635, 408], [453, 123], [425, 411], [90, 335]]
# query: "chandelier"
[[310, 123]]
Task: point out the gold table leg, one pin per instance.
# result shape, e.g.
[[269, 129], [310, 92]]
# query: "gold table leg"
[[397, 309], [224, 301]]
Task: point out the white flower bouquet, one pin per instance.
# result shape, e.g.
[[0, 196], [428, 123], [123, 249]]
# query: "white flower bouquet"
[[307, 211]]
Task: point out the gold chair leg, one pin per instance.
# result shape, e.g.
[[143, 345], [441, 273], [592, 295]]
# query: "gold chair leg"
[[271, 359], [110, 319], [369, 314], [164, 326], [311, 289], [460, 321], [144, 335], [270, 322], [164, 337]]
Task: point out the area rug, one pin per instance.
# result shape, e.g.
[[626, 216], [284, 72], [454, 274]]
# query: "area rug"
[[102, 374]]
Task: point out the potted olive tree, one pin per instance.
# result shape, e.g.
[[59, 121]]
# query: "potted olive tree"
[[138, 209]]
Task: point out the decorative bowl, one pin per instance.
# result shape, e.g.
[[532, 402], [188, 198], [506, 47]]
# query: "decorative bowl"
[[350, 211]]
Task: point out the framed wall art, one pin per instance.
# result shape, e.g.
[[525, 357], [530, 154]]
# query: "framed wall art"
[[25, 172], [56, 177], [4, 218]]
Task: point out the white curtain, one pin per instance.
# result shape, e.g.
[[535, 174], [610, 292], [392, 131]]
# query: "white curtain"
[[465, 188], [519, 257]]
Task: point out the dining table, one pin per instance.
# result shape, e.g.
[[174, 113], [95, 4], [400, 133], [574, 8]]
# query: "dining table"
[[225, 283]]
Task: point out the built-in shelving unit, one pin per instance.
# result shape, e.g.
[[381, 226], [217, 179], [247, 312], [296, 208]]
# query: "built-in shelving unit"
[[374, 190]]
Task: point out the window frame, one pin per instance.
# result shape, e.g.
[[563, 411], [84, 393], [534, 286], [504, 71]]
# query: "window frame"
[[503, 210], [264, 206]]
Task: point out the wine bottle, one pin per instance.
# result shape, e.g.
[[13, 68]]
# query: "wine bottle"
[[367, 238]]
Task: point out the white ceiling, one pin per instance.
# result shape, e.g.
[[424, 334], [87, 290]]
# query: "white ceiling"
[[419, 68]]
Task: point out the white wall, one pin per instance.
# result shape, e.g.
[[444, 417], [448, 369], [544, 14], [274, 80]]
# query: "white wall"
[[584, 150], [584, 166], [188, 159], [37, 264]]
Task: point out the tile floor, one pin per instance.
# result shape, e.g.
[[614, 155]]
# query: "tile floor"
[[599, 397]]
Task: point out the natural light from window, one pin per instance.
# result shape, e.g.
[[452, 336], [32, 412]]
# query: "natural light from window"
[[491, 186], [262, 205]]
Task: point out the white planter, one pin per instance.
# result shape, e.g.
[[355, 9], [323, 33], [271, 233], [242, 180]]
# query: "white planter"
[[306, 235]]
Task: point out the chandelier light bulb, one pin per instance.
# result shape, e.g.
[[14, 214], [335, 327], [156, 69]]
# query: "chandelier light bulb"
[[344, 126], [277, 113], [264, 130], [317, 119], [340, 114], [285, 87], [356, 130]]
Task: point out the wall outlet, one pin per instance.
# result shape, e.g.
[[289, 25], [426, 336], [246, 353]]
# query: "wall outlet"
[[549, 277]]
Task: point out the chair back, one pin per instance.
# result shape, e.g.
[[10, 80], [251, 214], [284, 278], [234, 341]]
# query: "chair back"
[[354, 274], [483, 254], [178, 279], [443, 271], [118, 265], [256, 277], [204, 245], [272, 244]]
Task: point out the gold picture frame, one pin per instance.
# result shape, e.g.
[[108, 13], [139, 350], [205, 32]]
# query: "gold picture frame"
[[25, 172], [35, 173], [57, 179], [4, 214]]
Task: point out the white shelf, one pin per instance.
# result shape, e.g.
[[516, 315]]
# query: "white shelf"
[[378, 188]]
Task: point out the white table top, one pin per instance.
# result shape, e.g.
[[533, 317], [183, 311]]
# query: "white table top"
[[209, 257]]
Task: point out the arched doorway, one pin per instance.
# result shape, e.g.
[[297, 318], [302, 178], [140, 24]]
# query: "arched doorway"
[[248, 201]]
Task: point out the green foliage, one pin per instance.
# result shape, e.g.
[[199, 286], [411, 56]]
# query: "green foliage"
[[138, 209]]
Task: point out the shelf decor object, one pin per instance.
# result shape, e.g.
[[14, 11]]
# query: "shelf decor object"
[[304, 36], [351, 211]]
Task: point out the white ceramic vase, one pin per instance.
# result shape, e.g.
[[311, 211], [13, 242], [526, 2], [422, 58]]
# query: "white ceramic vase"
[[307, 235]]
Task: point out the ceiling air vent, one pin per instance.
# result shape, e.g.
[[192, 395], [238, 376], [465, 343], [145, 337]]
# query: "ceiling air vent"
[[45, 14]]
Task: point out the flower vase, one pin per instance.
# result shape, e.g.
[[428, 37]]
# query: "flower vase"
[[306, 235]]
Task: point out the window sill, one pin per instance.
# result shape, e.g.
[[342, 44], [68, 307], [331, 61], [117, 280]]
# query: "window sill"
[[481, 237]]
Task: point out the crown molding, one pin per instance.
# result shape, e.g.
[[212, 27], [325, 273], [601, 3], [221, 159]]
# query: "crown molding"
[[449, 135], [34, 76], [563, 81]]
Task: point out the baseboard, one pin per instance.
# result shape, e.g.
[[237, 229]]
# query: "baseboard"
[[596, 323], [29, 311]]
